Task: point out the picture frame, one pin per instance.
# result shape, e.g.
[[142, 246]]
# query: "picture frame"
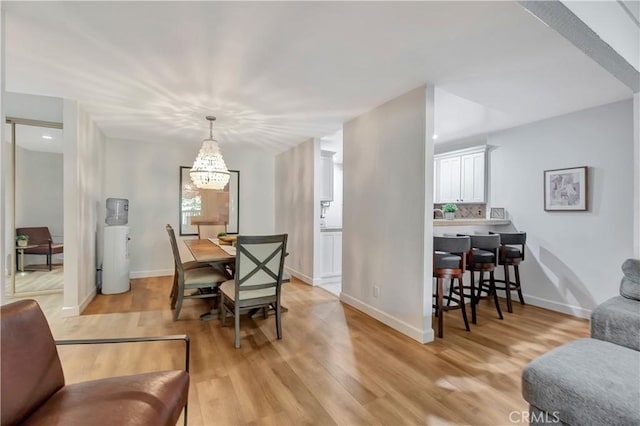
[[497, 213], [191, 202], [566, 189]]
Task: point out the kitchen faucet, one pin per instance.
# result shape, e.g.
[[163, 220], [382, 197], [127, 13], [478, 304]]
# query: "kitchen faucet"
[[436, 211]]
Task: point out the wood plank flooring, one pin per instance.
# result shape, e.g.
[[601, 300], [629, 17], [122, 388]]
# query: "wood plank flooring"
[[334, 365]]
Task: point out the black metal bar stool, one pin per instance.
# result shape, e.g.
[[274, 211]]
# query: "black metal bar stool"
[[511, 255], [483, 257], [449, 262]]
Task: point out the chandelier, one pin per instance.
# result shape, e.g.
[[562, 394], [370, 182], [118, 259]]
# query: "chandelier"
[[209, 170]]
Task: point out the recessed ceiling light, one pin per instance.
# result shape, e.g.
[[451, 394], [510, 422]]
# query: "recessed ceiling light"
[[434, 136], [47, 137]]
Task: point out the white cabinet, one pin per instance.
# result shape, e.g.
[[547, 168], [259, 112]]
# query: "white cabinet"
[[331, 254], [472, 178], [459, 176], [326, 174]]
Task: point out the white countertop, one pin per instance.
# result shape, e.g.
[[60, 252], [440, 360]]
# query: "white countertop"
[[470, 222]]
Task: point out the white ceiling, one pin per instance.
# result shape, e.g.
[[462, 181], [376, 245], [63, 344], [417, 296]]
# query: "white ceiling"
[[276, 73]]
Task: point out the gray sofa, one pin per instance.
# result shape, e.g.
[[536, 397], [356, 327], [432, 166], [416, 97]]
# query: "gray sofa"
[[594, 381]]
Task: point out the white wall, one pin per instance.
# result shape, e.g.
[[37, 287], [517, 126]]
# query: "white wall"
[[295, 207], [387, 240], [4, 247], [573, 258], [83, 169], [33, 107], [613, 25], [148, 175]]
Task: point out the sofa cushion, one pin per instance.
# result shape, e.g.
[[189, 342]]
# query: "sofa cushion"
[[617, 320], [143, 399], [586, 382], [631, 269], [630, 284]]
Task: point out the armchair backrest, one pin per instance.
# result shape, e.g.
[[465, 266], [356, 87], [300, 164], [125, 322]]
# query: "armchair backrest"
[[31, 369], [259, 265], [37, 235]]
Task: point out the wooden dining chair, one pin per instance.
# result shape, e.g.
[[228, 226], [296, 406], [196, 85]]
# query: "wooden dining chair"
[[258, 279], [203, 281]]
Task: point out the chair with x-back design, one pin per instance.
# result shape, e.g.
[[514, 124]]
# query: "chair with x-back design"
[[257, 281]]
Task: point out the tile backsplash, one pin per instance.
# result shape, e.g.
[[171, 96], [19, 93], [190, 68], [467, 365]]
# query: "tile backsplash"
[[467, 211]]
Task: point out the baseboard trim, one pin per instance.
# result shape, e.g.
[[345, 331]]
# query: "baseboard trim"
[[422, 336], [299, 275], [74, 311], [330, 280], [149, 274], [564, 308]]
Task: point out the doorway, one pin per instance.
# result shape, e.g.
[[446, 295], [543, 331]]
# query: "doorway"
[[36, 203], [331, 213]]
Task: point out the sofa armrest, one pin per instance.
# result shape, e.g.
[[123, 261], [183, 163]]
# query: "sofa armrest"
[[182, 337]]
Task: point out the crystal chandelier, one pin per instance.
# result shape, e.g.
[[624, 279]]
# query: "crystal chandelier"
[[209, 170]]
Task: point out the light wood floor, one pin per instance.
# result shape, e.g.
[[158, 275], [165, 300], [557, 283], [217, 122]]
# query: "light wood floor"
[[37, 278], [334, 364]]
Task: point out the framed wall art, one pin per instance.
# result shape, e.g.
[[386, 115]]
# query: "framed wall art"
[[566, 189], [497, 213], [208, 206]]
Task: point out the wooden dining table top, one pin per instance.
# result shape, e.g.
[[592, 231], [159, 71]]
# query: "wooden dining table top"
[[207, 251]]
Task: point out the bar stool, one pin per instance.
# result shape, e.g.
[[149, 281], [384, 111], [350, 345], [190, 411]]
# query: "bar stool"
[[483, 257], [511, 256], [449, 262]]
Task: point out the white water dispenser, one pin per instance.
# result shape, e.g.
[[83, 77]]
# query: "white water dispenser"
[[115, 260]]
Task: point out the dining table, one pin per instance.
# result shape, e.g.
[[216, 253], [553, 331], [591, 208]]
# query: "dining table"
[[209, 250]]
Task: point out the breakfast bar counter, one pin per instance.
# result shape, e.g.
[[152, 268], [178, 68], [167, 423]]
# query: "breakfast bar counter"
[[442, 227], [470, 222]]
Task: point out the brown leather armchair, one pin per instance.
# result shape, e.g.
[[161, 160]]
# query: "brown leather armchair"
[[33, 390], [41, 237]]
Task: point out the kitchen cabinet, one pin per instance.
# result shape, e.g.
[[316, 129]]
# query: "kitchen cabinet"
[[331, 264], [326, 175], [459, 176]]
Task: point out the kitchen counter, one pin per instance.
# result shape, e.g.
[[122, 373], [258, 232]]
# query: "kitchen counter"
[[470, 222]]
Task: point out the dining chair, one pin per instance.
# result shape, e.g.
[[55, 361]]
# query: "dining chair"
[[204, 281], [258, 279], [449, 262]]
